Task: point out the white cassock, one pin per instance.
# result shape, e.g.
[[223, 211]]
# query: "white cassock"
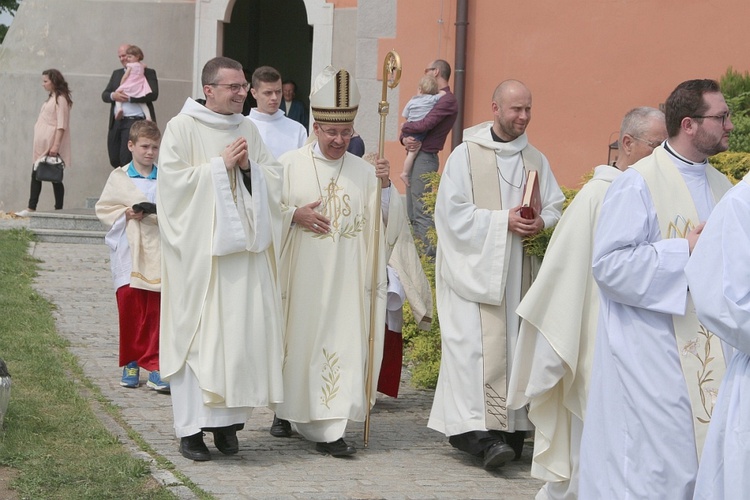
[[479, 261], [639, 438], [221, 337], [719, 277], [326, 282], [279, 133], [555, 350]]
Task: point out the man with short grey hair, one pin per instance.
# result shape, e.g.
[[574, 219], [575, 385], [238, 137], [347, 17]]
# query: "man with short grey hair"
[[552, 364]]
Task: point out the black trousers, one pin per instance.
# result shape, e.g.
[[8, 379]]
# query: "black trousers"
[[36, 190], [117, 141]]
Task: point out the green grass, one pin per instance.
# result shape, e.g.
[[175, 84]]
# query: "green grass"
[[50, 434]]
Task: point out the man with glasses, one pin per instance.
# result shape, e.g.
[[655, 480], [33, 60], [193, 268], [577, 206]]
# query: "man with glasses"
[[336, 242], [436, 124], [220, 223], [552, 363], [279, 133], [656, 369]]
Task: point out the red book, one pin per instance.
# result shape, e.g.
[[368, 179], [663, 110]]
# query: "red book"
[[531, 204]]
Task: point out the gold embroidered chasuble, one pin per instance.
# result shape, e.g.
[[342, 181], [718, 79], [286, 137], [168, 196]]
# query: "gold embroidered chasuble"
[[700, 351], [326, 285]]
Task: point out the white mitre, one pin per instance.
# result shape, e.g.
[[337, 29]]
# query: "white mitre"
[[334, 97]]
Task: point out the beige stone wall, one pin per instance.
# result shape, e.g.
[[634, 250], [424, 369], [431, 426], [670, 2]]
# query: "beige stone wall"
[[80, 38], [376, 22]]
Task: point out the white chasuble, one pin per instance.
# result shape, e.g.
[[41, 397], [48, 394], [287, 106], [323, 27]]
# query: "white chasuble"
[[479, 262], [719, 277], [639, 434], [327, 289], [552, 365], [221, 305]]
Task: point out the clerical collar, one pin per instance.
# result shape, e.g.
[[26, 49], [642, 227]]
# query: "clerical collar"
[[496, 137], [681, 158]]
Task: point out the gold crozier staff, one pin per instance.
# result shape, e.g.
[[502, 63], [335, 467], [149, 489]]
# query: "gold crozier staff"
[[391, 77]]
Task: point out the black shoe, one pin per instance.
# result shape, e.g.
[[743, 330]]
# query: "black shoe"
[[281, 428], [225, 439], [338, 448], [497, 455], [193, 448], [515, 440]]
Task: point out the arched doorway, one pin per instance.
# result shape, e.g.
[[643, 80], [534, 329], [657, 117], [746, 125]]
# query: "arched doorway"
[[272, 33], [257, 32]]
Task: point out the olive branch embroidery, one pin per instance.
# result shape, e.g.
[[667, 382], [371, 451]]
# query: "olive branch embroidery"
[[349, 230], [331, 378], [708, 394]]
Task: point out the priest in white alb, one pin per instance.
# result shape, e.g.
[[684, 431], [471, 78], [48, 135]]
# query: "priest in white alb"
[[552, 363], [220, 221], [336, 240], [718, 274], [656, 368], [482, 272]]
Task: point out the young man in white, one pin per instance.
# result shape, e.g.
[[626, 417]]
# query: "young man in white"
[[281, 134]]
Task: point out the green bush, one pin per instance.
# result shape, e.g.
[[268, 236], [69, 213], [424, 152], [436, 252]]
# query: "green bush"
[[736, 89], [422, 348], [732, 164]]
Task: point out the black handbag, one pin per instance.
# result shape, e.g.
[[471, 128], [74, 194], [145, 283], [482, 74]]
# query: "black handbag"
[[49, 168]]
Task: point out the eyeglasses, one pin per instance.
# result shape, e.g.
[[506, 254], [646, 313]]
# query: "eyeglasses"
[[429, 69], [722, 117], [234, 87], [651, 144], [332, 134]]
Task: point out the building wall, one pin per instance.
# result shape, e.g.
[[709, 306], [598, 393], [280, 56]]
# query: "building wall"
[[587, 62], [80, 38]]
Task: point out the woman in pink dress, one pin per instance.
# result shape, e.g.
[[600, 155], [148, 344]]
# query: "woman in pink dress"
[[133, 83], [51, 135]]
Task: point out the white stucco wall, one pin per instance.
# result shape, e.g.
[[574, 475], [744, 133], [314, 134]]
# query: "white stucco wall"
[[80, 38], [376, 19]]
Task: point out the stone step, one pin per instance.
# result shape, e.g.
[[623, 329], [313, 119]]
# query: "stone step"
[[67, 226], [70, 236], [74, 220]]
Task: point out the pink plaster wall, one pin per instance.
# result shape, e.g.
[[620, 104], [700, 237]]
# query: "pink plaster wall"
[[587, 62]]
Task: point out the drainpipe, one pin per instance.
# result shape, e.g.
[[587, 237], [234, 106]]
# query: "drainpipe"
[[459, 80]]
